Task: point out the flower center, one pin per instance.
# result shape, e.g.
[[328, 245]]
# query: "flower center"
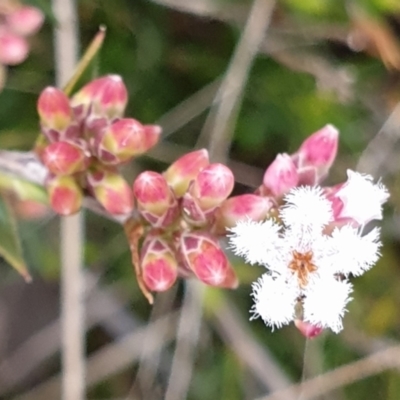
[[302, 265]]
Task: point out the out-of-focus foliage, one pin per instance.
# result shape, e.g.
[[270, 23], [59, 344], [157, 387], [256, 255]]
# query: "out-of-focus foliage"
[[324, 61]]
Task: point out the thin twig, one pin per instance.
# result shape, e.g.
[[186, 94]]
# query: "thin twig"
[[374, 158], [24, 165], [112, 358], [187, 338], [342, 376], [256, 357], [71, 234], [218, 128], [188, 109], [203, 8], [103, 308], [146, 374]]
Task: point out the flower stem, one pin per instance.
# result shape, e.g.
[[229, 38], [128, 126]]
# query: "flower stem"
[[71, 233]]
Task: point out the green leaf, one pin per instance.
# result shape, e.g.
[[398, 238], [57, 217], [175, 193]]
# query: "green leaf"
[[10, 246], [23, 189]]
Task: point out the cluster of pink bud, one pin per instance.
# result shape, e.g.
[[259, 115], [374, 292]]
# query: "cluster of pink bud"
[[17, 22], [86, 139], [182, 209]]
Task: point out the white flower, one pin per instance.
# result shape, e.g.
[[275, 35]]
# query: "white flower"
[[362, 198], [305, 265]]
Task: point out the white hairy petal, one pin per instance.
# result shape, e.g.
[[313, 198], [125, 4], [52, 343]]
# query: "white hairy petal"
[[325, 303]]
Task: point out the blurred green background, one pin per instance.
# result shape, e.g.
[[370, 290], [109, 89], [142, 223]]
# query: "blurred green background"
[[322, 61]]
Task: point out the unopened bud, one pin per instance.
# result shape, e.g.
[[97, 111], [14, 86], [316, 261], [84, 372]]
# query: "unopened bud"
[[111, 190], [25, 20], [155, 200], [13, 49], [158, 264], [103, 97], [185, 169], [55, 112], [63, 158], [239, 208], [308, 330], [124, 139], [202, 254], [65, 194], [281, 175], [212, 186], [320, 148], [31, 209]]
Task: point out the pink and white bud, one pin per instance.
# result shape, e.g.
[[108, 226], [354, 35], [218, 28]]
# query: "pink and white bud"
[[202, 254], [185, 169], [13, 49], [65, 194], [155, 200], [308, 330], [111, 190], [320, 149], [64, 158], [239, 208], [316, 155], [124, 139], [158, 264], [55, 113], [212, 186], [359, 200], [105, 97], [25, 21], [281, 176]]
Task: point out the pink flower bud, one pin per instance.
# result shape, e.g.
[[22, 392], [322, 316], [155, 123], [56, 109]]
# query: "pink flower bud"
[[65, 194], [25, 21], [320, 148], [125, 139], [158, 264], [281, 175], [212, 186], [185, 169], [111, 190], [31, 209], [239, 208], [63, 158], [55, 112], [202, 254], [103, 97], [13, 49], [155, 200], [308, 330]]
